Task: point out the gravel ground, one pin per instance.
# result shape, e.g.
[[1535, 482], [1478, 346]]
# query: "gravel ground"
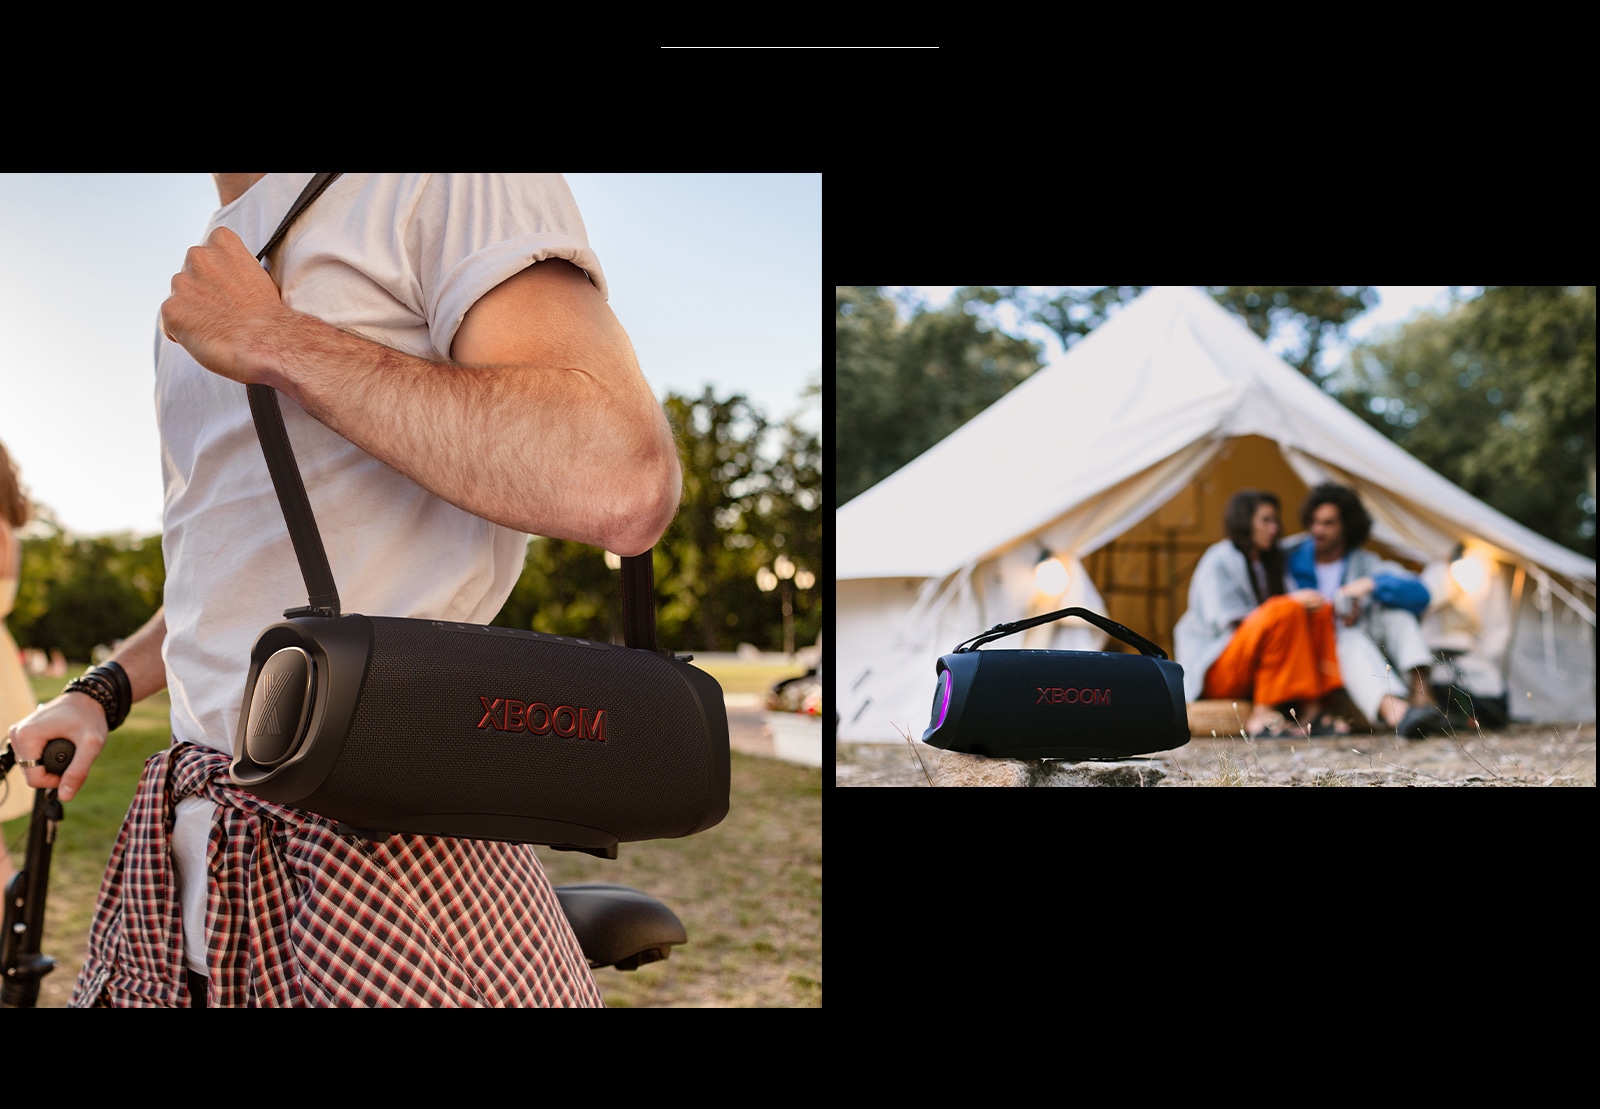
[[1545, 755]]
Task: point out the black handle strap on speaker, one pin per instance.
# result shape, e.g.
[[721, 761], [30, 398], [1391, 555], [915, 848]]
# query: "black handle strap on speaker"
[[1110, 627], [638, 579]]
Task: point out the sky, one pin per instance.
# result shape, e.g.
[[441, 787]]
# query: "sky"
[[716, 277]]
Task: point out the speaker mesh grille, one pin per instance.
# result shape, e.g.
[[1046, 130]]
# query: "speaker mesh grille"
[[415, 747]]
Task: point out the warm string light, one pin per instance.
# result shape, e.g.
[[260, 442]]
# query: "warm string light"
[[1050, 577]]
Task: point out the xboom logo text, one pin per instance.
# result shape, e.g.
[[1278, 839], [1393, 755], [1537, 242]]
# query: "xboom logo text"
[[1057, 696], [504, 715]]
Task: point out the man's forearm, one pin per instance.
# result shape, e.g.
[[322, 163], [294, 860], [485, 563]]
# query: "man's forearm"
[[543, 423], [544, 449], [140, 657]]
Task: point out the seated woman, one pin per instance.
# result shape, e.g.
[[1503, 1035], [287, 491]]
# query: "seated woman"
[[1243, 637]]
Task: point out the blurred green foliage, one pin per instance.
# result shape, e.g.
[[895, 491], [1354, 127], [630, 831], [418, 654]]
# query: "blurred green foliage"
[[1497, 394], [77, 592], [903, 386]]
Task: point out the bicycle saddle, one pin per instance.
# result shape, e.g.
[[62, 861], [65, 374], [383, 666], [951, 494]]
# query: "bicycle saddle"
[[620, 926]]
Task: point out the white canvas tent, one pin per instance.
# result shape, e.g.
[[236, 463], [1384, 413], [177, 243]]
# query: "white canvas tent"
[[1118, 460]]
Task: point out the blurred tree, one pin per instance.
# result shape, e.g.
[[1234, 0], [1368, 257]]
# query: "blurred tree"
[[1071, 311], [79, 593], [1298, 319], [565, 588], [1498, 395], [712, 548], [903, 386], [788, 514], [750, 491]]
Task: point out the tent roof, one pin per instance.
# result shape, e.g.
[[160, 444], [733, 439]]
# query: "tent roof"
[[1157, 389]]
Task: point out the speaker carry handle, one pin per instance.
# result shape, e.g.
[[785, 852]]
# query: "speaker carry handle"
[[1110, 627]]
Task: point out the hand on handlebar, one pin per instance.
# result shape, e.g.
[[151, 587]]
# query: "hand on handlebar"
[[72, 716]]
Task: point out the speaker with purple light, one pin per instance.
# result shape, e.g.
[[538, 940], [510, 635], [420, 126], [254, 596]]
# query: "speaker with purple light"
[[1058, 704]]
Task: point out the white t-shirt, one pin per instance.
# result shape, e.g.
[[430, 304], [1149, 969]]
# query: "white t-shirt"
[[1330, 576], [395, 258]]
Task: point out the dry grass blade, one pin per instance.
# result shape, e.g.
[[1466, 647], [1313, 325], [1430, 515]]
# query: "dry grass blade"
[[915, 753]]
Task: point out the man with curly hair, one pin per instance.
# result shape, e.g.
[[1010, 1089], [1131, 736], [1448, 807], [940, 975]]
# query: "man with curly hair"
[[1379, 604]]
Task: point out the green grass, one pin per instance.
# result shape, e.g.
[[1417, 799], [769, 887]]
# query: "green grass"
[[749, 891], [748, 677]]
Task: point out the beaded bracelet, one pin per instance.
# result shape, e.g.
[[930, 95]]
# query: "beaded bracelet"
[[109, 685]]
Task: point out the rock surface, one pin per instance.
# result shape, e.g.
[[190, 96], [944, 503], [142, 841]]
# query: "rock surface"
[[1526, 755], [950, 768]]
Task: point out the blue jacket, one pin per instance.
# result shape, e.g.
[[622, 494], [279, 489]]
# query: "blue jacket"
[[1393, 585]]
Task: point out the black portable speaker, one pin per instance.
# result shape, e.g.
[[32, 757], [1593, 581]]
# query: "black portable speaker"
[[436, 728], [389, 724], [1058, 704]]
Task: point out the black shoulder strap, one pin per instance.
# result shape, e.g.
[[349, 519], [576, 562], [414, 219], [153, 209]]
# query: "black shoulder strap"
[[638, 580], [323, 597]]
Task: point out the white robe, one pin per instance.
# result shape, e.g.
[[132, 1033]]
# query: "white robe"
[[1220, 596]]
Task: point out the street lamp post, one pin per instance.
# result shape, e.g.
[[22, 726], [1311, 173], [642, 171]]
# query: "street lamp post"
[[782, 572]]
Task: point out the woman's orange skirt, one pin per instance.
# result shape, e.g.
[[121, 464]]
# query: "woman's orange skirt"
[[1281, 652]]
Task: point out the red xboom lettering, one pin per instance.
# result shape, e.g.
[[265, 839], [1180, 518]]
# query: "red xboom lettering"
[[506, 715], [1056, 696]]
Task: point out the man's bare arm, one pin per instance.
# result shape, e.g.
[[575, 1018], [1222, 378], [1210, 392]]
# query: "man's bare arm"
[[79, 717], [543, 421]]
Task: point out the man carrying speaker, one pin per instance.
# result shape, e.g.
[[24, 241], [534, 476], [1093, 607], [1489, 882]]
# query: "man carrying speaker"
[[452, 380]]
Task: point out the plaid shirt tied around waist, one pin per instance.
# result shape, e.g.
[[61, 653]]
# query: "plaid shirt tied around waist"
[[298, 915]]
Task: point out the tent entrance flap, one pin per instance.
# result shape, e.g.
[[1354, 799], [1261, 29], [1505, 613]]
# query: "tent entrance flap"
[[1144, 573]]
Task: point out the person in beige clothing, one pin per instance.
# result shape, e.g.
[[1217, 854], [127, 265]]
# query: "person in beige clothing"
[[16, 695]]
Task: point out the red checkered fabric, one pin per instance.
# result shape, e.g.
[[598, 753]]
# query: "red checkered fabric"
[[298, 915]]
